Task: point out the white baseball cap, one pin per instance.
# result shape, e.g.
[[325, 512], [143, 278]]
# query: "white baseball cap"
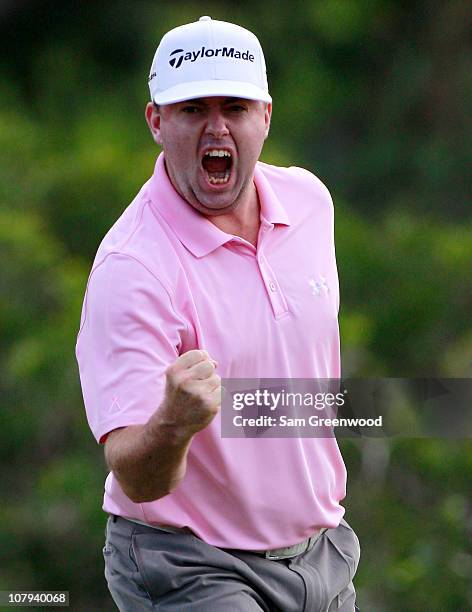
[[208, 58]]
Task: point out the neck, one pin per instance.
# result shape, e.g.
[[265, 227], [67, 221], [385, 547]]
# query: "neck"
[[244, 220]]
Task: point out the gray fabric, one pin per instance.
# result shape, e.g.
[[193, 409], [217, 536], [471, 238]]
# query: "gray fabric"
[[150, 569]]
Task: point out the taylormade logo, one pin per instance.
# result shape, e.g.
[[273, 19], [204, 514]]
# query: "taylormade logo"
[[179, 55]]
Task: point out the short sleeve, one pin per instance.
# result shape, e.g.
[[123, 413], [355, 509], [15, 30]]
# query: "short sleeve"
[[130, 333]]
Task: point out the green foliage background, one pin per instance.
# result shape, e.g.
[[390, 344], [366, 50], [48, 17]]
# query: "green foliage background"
[[371, 95]]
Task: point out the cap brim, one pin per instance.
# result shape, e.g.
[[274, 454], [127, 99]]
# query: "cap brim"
[[204, 89]]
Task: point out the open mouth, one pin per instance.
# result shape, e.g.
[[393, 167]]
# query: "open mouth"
[[217, 165]]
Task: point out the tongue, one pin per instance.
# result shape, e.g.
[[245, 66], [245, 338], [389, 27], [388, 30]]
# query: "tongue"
[[215, 164]]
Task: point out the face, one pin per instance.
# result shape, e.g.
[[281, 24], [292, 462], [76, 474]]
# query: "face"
[[211, 146]]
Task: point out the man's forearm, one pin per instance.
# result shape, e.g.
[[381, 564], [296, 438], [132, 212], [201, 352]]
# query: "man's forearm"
[[148, 460]]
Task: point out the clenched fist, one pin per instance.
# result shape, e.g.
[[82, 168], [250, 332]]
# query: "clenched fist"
[[193, 392]]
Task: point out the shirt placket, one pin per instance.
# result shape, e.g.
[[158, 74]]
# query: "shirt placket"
[[271, 283]]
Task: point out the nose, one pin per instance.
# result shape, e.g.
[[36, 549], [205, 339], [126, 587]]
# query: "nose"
[[216, 124]]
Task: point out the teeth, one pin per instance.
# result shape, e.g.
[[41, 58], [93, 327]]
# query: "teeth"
[[219, 179], [218, 153]]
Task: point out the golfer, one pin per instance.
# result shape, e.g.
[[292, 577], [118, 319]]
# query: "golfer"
[[221, 267]]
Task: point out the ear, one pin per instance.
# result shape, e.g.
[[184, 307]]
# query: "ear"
[[153, 119], [267, 117]]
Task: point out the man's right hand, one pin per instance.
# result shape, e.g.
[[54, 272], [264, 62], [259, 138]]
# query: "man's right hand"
[[193, 393]]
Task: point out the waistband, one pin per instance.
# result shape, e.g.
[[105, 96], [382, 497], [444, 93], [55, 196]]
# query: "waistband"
[[166, 528], [288, 552], [275, 554]]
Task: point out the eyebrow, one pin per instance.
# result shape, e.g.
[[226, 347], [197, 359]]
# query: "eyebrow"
[[235, 100]]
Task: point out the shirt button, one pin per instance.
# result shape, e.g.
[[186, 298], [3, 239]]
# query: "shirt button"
[[272, 286]]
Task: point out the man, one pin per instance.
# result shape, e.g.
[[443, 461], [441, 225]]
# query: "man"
[[210, 273]]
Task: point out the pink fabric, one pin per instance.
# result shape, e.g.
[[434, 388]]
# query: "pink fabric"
[[165, 280]]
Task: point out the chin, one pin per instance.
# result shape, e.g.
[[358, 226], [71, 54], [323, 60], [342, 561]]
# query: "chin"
[[213, 209], [216, 205]]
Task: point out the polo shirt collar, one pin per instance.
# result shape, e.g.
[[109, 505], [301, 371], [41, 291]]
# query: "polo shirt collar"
[[272, 210], [193, 229]]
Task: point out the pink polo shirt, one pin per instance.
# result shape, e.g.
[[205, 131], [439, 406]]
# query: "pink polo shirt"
[[165, 280]]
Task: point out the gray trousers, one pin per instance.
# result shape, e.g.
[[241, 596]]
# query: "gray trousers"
[[150, 569]]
